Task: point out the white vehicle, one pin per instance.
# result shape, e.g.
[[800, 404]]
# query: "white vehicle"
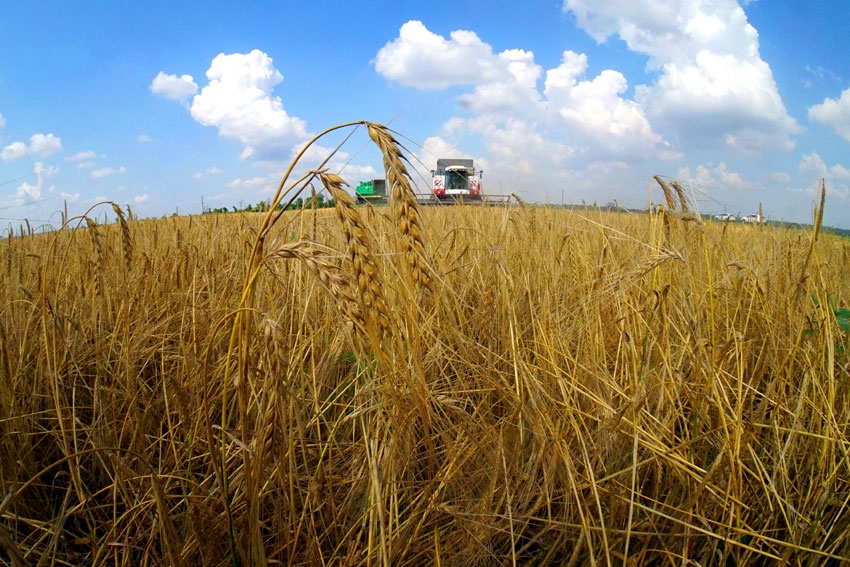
[[756, 219], [725, 217], [456, 179]]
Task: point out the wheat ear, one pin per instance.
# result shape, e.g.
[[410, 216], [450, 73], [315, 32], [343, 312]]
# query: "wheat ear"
[[668, 193], [126, 241], [365, 269], [328, 274], [405, 207], [100, 262], [680, 192]]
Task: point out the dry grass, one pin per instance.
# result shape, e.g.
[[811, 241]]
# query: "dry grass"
[[578, 389]]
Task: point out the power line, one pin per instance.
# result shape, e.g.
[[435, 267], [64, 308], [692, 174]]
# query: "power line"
[[30, 203], [17, 179]]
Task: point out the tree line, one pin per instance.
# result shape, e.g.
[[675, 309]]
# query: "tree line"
[[263, 206]]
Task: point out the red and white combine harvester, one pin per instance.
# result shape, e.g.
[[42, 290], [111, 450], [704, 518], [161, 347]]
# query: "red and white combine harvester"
[[456, 180]]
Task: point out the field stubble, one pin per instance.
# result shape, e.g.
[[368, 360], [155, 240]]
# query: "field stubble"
[[445, 386]]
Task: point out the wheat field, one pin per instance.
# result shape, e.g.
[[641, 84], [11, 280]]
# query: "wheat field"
[[424, 386]]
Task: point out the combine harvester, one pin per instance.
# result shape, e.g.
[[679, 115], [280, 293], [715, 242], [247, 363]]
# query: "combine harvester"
[[374, 191], [455, 181]]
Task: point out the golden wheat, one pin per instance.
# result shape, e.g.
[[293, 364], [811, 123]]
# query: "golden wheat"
[[586, 392], [328, 274], [126, 241], [405, 207], [374, 305]]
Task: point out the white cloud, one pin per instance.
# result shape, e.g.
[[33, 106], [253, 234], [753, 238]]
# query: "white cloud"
[[44, 144], [13, 151], [139, 199], [27, 190], [40, 144], [587, 117], [778, 177], [835, 113], [248, 183], [714, 177], [238, 101], [172, 86], [713, 88], [836, 177], [105, 172], [820, 74], [596, 108], [144, 138], [85, 155], [422, 59], [2, 121], [208, 171]]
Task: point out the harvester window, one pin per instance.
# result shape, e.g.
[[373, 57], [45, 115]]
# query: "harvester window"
[[456, 180]]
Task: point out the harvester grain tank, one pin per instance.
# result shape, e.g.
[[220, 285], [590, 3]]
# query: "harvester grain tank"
[[456, 179], [372, 191]]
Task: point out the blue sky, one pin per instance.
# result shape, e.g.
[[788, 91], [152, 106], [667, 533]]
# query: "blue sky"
[[160, 104]]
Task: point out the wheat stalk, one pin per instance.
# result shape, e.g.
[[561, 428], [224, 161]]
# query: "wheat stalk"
[[404, 205]]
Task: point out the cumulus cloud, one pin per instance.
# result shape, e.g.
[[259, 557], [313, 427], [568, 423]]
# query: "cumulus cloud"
[[532, 133], [834, 113], [29, 191], [139, 199], [422, 59], [40, 144], [172, 86], [13, 151], [238, 100], [836, 177], [714, 178], [713, 87], [44, 144], [596, 107]]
